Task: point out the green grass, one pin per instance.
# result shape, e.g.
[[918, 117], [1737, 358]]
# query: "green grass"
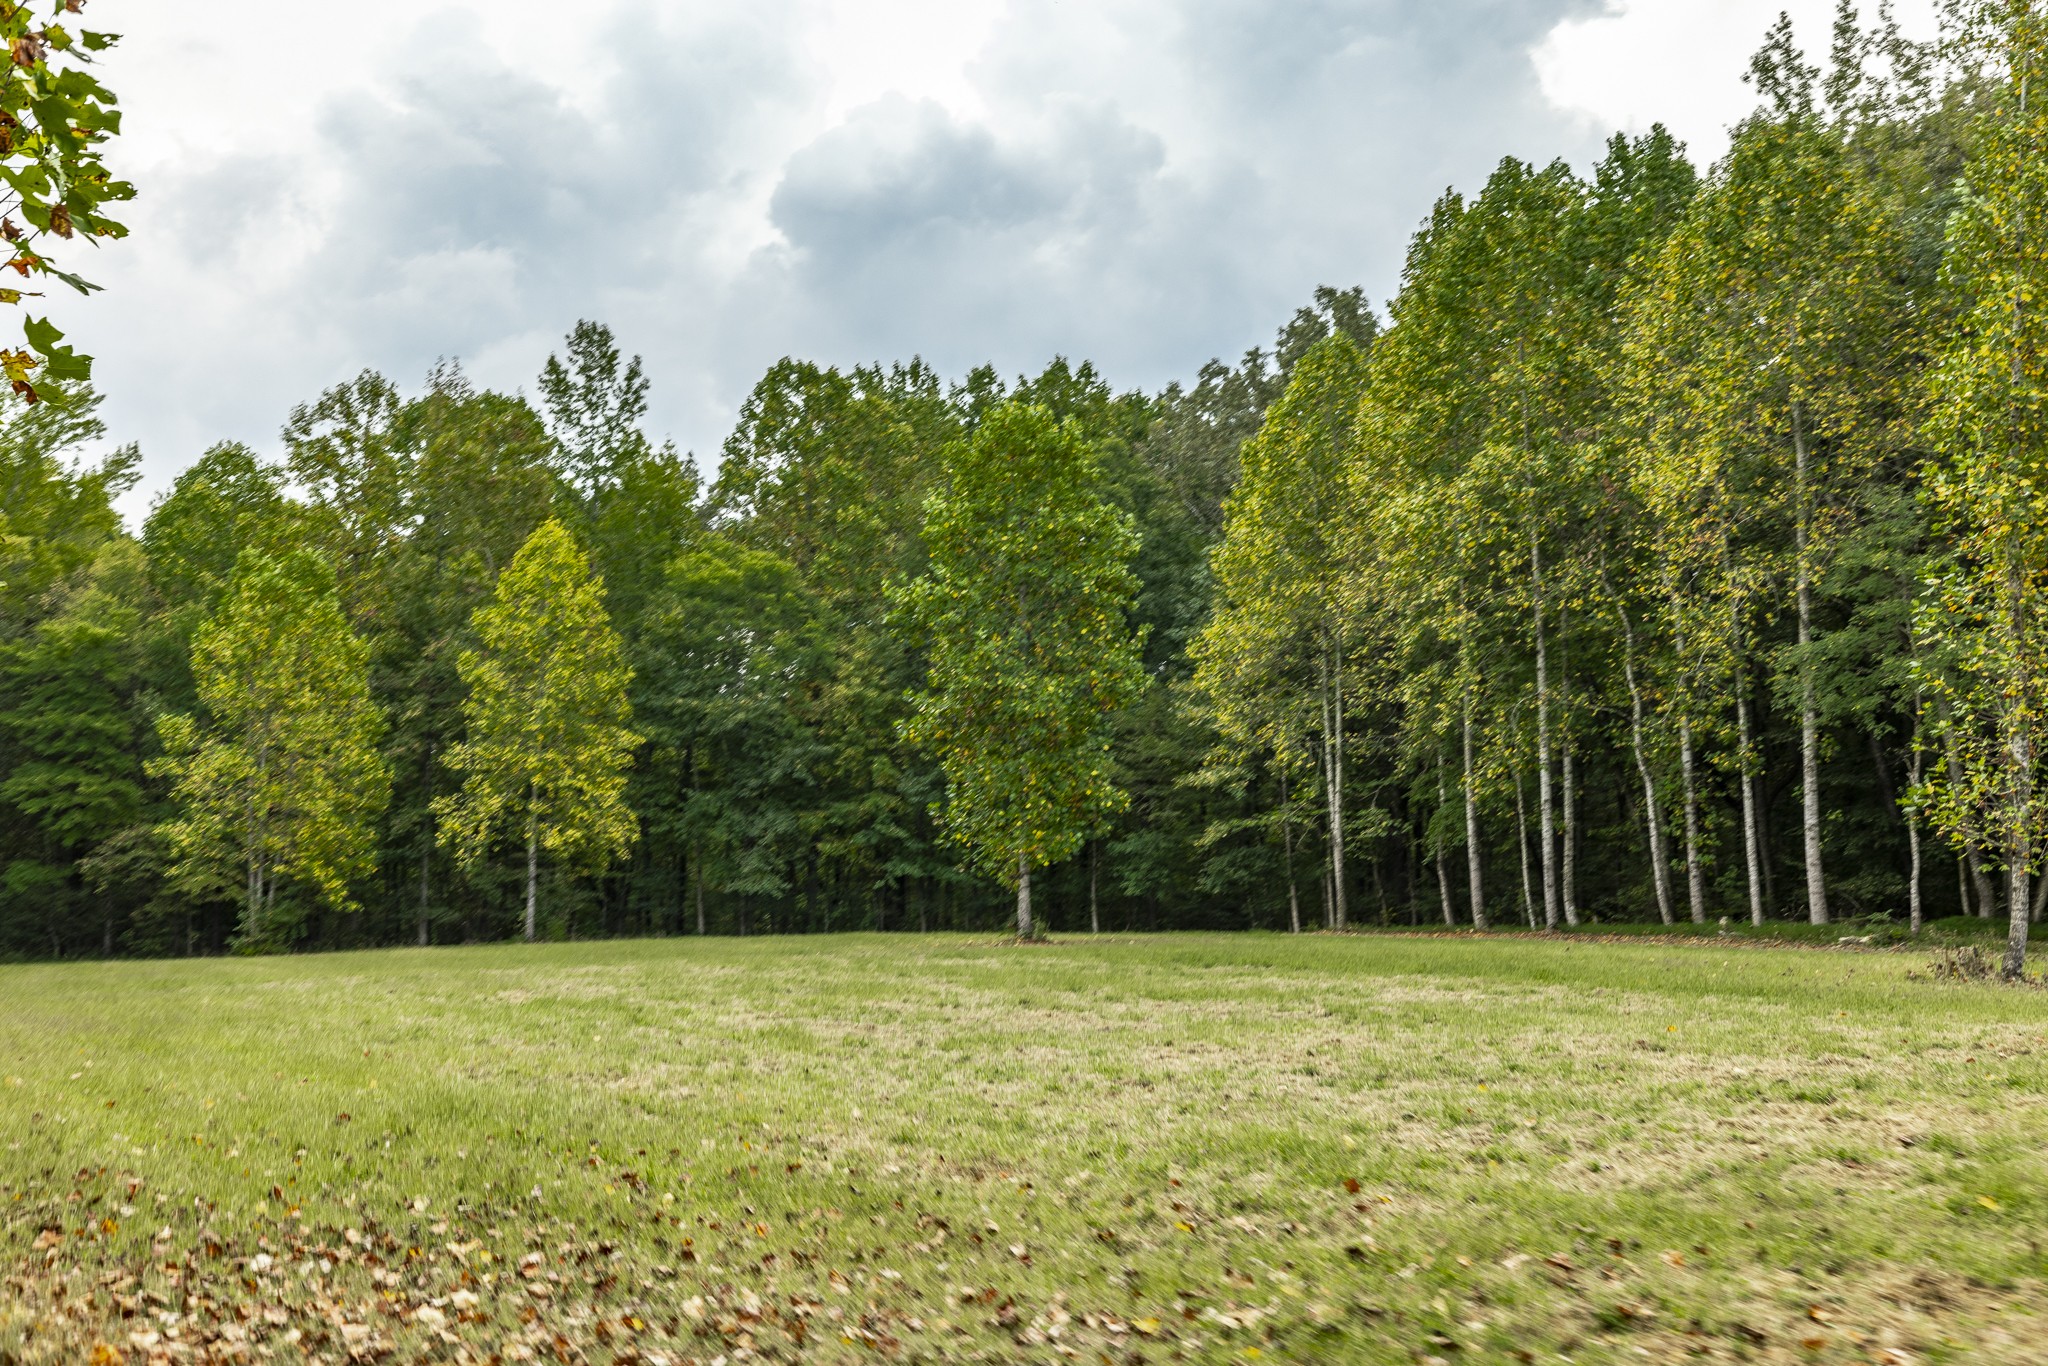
[[1179, 1148]]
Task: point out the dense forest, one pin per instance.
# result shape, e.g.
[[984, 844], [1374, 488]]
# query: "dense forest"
[[1672, 548]]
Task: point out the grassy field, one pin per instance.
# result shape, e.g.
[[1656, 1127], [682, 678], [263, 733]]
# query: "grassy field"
[[1134, 1150]]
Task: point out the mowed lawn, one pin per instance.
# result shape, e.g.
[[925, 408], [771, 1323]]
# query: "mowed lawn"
[[1184, 1148]]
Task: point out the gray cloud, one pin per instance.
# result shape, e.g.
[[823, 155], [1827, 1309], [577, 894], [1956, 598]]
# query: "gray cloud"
[[1147, 185]]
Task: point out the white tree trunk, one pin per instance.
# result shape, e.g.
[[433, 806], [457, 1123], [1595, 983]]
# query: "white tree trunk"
[[1660, 862], [1522, 846], [2018, 722], [1472, 868], [1546, 819], [1695, 874], [1751, 843], [1333, 739], [1568, 837], [1809, 711], [2019, 752]]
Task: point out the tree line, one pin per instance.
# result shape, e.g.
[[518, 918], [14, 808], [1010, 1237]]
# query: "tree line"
[[1671, 550]]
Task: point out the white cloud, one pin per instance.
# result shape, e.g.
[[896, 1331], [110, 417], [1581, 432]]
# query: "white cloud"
[[1680, 62]]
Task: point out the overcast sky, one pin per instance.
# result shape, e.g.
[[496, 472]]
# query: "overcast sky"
[[1146, 183]]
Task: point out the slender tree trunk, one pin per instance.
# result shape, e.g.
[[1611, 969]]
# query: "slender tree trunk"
[[1913, 886], [1751, 843], [2019, 749], [1963, 888], [1546, 817], [1475, 886], [1660, 862], [1094, 872], [1522, 848], [1329, 916], [1980, 881], [426, 886], [1023, 896], [1333, 738], [1287, 847], [532, 867], [1695, 874], [1746, 734], [1569, 836], [1916, 771], [2018, 736], [1443, 877], [1809, 710], [255, 896], [697, 876]]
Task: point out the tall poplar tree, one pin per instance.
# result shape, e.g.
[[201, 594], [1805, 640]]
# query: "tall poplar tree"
[[1026, 604], [1273, 660], [1991, 422], [1766, 374], [548, 741], [283, 777]]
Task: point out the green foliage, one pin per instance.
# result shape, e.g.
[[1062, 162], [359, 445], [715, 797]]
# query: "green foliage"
[[1675, 524], [547, 743], [1991, 421], [282, 777], [728, 653], [1024, 603], [1264, 658], [226, 502], [634, 504], [54, 515], [55, 117]]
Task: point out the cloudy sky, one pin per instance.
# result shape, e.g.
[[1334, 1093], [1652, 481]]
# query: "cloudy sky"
[[1147, 183]]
